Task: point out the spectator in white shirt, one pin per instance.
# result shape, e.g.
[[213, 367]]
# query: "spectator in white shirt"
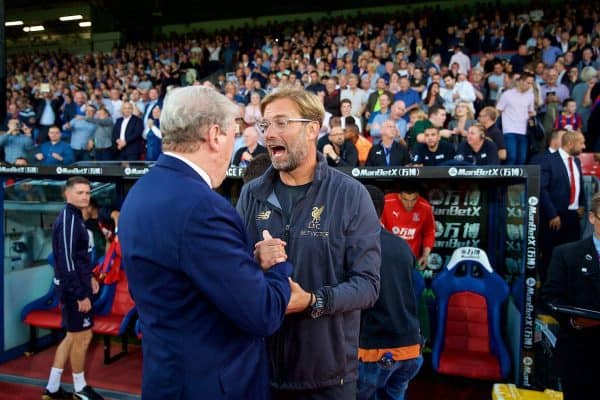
[[356, 95], [455, 92], [463, 61]]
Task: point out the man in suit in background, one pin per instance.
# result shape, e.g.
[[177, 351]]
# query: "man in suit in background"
[[127, 135], [573, 280], [153, 102], [561, 196], [388, 152], [205, 305], [47, 112]]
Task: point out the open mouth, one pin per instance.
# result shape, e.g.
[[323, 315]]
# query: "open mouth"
[[277, 150]]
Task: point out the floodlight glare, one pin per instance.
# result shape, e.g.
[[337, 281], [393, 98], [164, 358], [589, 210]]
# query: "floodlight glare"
[[35, 28], [71, 18]]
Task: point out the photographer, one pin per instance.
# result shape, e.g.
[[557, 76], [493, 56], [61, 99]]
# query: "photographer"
[[16, 141]]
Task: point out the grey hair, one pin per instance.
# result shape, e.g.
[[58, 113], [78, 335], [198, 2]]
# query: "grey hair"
[[187, 114]]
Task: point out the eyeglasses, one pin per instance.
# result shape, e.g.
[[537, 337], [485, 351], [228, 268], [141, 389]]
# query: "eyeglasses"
[[278, 123]]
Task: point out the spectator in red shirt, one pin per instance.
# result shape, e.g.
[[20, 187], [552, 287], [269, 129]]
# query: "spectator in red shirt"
[[410, 216]]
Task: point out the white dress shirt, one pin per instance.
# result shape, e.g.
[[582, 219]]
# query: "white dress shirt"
[[123, 128], [565, 157], [193, 166]]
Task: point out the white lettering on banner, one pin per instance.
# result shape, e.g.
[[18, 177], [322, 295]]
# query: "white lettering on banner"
[[483, 172], [135, 171], [384, 172], [19, 170], [79, 170], [235, 172], [530, 256]]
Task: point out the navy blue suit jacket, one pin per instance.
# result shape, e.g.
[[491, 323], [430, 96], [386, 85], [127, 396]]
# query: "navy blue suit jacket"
[[204, 304], [133, 137], [554, 190]]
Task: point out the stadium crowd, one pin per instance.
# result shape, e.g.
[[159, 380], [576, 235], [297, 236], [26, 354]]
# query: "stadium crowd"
[[492, 87], [510, 76]]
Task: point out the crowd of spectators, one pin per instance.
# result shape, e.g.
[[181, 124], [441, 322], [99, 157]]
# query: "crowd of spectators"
[[418, 91]]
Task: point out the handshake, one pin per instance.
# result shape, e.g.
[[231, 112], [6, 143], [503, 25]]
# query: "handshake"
[[269, 252]]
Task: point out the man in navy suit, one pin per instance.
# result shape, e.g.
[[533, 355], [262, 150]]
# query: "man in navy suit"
[[562, 197], [204, 304], [155, 101], [573, 281], [127, 135]]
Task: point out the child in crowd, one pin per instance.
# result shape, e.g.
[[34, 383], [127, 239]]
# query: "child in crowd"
[[568, 119]]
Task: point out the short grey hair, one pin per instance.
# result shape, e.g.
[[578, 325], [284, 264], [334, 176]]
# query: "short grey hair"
[[187, 114]]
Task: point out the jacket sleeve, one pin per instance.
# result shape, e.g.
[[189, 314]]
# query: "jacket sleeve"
[[548, 209], [360, 289], [135, 133], [554, 290], [429, 229], [100, 121], [69, 276], [493, 158], [116, 130], [370, 158], [582, 201], [68, 155], [351, 159], [216, 255]]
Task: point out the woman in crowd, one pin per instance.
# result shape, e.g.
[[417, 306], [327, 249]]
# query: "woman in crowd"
[[253, 113], [153, 136], [433, 97], [461, 122]]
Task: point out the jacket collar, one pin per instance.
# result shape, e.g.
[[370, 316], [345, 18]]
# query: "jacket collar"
[[173, 163], [264, 186], [74, 209]]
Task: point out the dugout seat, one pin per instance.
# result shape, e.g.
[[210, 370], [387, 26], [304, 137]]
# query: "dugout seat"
[[469, 297], [43, 312], [589, 165], [117, 311]]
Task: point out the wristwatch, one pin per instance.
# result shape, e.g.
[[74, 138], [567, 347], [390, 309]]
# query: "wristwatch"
[[318, 308]]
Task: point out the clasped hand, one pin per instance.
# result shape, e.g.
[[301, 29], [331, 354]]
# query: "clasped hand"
[[269, 251]]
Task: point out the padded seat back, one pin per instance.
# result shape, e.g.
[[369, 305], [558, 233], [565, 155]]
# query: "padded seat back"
[[122, 303], [589, 165], [467, 323], [469, 296]]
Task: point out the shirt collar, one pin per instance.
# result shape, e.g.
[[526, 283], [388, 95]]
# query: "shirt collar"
[[563, 154], [193, 166], [596, 243]]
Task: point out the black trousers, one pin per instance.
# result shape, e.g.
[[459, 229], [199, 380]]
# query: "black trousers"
[[347, 391], [577, 391], [570, 231]]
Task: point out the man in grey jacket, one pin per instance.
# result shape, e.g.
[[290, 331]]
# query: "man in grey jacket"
[[102, 134], [332, 231]]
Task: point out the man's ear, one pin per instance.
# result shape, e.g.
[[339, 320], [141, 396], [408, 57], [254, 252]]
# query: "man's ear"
[[312, 129], [213, 137]]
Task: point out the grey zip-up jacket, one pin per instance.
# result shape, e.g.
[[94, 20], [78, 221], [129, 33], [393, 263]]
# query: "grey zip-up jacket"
[[103, 132], [334, 245]]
